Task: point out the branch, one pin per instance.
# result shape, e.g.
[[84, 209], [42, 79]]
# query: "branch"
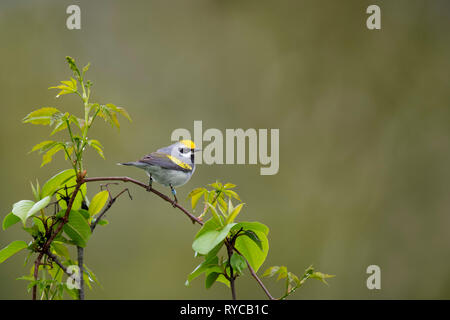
[[46, 246], [193, 218], [108, 206], [255, 276], [56, 260]]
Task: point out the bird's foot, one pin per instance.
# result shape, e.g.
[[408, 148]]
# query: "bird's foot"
[[175, 201]]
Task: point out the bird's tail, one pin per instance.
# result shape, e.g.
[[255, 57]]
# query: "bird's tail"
[[133, 163]]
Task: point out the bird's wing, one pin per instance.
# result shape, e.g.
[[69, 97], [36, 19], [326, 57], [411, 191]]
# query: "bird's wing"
[[165, 161]]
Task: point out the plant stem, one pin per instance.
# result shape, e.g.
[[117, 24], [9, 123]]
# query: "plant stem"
[[232, 277], [80, 252], [47, 244]]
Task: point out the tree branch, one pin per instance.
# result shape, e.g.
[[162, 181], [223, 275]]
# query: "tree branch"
[[193, 218], [111, 202]]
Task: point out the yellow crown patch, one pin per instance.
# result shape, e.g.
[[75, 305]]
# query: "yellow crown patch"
[[188, 143]]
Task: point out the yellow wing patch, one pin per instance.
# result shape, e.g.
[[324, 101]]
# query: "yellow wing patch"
[[188, 143], [179, 162]]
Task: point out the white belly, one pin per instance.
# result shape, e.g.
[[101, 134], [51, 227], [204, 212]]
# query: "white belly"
[[167, 177]]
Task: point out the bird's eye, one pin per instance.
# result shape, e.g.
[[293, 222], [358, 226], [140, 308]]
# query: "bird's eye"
[[181, 150]]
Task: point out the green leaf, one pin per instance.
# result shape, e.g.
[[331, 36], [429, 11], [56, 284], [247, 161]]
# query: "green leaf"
[[48, 156], [229, 186], [10, 220], [85, 214], [252, 235], [201, 268], [238, 262], [40, 225], [282, 273], [195, 195], [36, 190], [60, 249], [86, 68], [77, 228], [41, 145], [233, 194], [61, 124], [251, 251], [56, 182], [214, 213], [43, 116], [73, 66], [97, 146], [21, 209], [209, 239], [321, 276], [12, 249], [103, 222], [211, 278], [98, 202], [254, 226], [234, 213], [39, 206], [78, 198], [270, 272]]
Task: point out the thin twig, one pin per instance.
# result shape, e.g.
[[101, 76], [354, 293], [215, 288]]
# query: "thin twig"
[[108, 206], [255, 276], [57, 261], [159, 194]]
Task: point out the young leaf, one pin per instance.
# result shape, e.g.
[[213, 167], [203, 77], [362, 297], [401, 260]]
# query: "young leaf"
[[98, 202], [41, 145], [234, 213], [103, 222], [238, 262], [270, 272], [40, 225], [39, 206], [12, 249], [73, 66], [43, 116], [195, 195], [321, 276], [48, 156], [233, 194], [97, 146], [21, 209]]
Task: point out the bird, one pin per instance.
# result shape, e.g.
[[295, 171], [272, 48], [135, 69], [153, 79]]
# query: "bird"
[[170, 166]]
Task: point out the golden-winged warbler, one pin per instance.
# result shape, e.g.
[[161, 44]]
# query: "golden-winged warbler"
[[170, 166]]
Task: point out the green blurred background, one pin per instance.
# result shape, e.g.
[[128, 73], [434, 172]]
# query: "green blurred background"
[[364, 121]]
